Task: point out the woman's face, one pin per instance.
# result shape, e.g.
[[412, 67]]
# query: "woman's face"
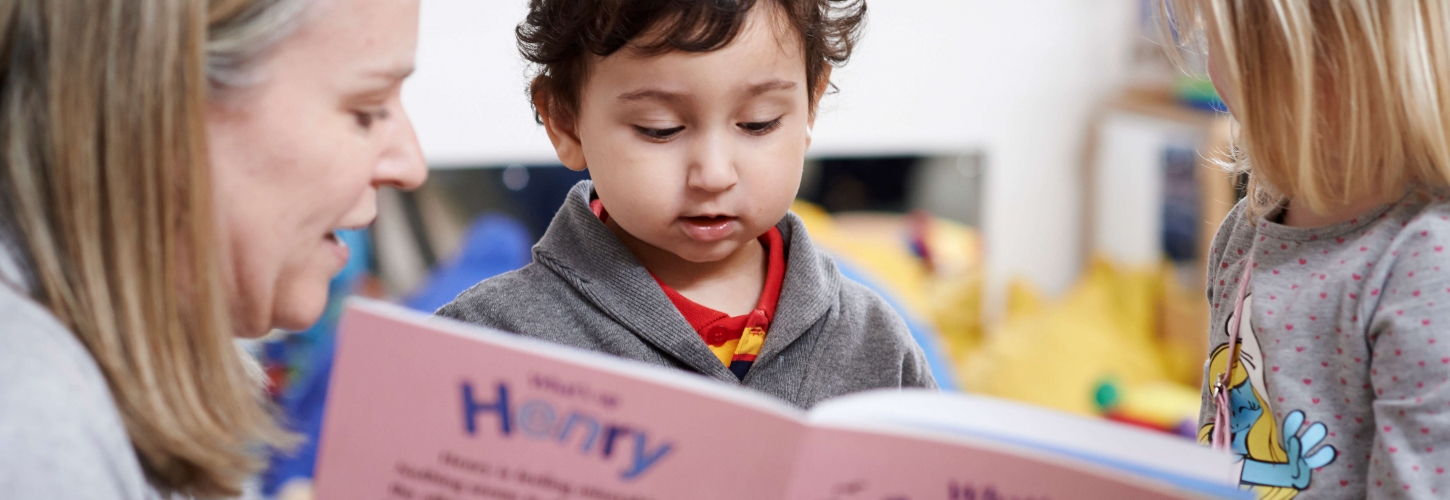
[[303, 152]]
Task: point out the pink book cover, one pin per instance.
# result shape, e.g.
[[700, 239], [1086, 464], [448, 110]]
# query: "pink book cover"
[[430, 409], [426, 408]]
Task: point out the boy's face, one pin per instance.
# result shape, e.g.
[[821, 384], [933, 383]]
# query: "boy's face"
[[695, 154]]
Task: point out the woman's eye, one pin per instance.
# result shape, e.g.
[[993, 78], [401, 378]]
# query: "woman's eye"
[[760, 128], [658, 134], [365, 119]]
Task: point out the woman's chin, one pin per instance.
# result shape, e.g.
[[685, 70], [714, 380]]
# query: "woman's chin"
[[296, 320], [298, 312]]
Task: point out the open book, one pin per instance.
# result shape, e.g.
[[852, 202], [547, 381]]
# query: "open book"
[[426, 408]]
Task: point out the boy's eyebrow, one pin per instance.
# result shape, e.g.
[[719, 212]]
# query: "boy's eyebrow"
[[647, 94], [761, 88]]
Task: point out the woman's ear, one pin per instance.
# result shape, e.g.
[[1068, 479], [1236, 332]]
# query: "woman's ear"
[[563, 132]]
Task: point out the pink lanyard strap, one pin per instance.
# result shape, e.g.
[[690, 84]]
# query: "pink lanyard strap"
[[1222, 410]]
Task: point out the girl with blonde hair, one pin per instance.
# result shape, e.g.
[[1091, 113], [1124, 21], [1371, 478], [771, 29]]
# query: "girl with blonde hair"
[[1343, 108], [171, 174]]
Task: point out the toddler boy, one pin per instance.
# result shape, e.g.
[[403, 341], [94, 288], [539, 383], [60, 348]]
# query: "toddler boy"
[[693, 119]]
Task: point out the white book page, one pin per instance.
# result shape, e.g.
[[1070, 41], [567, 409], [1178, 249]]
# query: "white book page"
[[979, 417]]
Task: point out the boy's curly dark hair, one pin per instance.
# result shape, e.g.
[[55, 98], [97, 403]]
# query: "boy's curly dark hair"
[[559, 35]]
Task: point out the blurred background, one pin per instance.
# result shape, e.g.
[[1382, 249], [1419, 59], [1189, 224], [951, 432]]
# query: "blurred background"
[[1030, 183]]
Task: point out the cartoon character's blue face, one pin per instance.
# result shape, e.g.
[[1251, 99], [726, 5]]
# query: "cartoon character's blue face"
[[1244, 411]]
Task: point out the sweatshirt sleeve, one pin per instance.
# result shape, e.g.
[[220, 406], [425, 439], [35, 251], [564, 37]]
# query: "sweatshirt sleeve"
[[916, 371], [480, 305], [1410, 369], [469, 311]]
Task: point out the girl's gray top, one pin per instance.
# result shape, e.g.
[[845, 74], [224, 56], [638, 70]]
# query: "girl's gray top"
[[61, 436], [1345, 383]]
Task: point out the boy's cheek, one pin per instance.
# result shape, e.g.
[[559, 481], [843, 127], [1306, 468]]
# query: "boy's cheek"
[[642, 200], [651, 182], [780, 167]]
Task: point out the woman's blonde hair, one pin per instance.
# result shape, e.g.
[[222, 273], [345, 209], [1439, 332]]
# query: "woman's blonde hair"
[[104, 180], [1339, 101]]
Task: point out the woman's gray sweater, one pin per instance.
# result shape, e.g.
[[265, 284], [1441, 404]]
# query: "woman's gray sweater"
[[61, 436]]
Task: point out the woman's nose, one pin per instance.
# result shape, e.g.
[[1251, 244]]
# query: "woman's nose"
[[402, 164]]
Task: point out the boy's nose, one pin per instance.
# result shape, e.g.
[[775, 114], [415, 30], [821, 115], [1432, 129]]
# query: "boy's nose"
[[712, 167]]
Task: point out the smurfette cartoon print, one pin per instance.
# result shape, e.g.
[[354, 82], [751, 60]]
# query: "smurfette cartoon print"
[[1274, 464]]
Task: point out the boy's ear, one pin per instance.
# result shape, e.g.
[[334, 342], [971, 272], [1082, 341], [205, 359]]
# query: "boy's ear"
[[823, 83], [563, 132]]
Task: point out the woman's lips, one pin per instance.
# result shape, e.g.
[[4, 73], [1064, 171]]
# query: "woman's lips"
[[339, 248], [709, 229]]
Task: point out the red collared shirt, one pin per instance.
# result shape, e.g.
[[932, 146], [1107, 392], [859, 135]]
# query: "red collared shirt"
[[736, 340]]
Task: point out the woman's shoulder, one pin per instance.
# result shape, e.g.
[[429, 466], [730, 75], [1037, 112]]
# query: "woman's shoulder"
[[59, 426], [38, 353]]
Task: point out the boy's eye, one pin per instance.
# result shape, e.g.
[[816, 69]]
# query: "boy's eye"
[[760, 128], [658, 134]]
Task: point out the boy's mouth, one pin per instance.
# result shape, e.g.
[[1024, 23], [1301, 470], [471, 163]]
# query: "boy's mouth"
[[710, 228]]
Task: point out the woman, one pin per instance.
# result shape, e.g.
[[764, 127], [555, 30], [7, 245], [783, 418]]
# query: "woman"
[[171, 172]]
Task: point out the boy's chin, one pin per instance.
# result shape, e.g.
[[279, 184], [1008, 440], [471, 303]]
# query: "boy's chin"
[[705, 253]]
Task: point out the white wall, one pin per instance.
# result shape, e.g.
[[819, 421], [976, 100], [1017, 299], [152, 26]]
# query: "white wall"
[[467, 97], [1018, 79], [1127, 216]]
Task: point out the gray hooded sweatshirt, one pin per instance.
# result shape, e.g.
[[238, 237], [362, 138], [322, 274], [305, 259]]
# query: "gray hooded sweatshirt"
[[830, 336]]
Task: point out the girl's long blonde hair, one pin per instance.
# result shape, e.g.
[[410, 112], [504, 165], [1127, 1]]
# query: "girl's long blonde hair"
[[1339, 101], [105, 183]]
